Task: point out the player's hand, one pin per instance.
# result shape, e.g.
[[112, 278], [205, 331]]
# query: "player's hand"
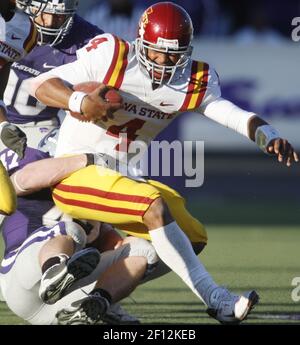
[[283, 150], [13, 138], [95, 107]]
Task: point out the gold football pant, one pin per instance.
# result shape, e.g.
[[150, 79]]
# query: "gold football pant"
[[8, 199], [102, 194]]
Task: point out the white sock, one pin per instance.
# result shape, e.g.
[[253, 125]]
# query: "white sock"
[[176, 251]]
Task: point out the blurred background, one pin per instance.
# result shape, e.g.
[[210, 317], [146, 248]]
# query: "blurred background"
[[250, 45]]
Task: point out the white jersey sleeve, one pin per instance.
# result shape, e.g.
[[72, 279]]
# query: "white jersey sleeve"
[[221, 110], [20, 37]]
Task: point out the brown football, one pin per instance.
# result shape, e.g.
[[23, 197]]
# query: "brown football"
[[113, 96], [110, 95]]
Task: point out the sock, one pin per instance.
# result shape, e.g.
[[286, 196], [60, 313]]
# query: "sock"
[[176, 251]]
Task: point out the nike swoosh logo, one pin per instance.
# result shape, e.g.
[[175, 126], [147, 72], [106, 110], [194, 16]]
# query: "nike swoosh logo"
[[13, 37], [45, 65], [162, 104]]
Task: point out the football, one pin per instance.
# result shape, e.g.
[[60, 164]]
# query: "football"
[[87, 87], [109, 94], [113, 96]]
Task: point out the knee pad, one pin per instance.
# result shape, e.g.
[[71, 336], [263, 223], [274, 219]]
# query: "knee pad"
[[141, 247], [77, 233]]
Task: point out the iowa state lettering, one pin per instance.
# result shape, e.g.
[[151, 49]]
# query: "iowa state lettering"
[[151, 113]]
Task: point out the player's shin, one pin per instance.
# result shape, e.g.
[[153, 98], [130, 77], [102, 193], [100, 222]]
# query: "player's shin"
[[175, 250]]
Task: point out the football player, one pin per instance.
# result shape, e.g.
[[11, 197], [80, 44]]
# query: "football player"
[[51, 277], [20, 38], [158, 81], [36, 209], [60, 33]]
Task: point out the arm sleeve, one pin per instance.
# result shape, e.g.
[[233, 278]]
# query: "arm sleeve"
[[221, 110], [229, 115]]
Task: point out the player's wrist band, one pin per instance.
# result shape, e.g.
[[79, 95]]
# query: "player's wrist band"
[[264, 134], [3, 106], [75, 101]]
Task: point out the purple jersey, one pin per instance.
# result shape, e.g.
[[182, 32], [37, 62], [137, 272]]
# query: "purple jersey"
[[23, 108], [31, 208]]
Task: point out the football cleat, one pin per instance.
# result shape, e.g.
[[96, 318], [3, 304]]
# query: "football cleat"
[[231, 309], [89, 311], [116, 315], [58, 278]]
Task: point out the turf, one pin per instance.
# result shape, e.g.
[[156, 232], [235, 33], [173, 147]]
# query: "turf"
[[242, 258]]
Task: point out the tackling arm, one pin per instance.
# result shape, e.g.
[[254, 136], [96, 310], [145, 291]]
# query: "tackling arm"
[[46, 172]]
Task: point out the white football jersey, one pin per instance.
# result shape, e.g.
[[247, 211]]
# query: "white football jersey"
[[20, 37], [146, 112]]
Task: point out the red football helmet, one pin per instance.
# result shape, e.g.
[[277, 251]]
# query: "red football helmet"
[[167, 28]]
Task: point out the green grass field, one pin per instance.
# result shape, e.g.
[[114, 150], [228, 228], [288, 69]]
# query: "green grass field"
[[240, 257]]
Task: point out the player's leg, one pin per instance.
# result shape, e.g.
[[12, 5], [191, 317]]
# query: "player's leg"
[[21, 273], [63, 261], [175, 249], [116, 199], [120, 271], [102, 194]]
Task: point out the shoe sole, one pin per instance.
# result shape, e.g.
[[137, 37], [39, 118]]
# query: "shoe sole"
[[247, 304], [78, 267], [89, 312]]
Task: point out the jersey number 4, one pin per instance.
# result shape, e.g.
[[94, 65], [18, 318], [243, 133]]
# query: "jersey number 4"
[[127, 133]]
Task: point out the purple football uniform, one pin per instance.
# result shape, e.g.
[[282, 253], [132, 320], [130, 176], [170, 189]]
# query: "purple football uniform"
[[23, 108], [31, 208]]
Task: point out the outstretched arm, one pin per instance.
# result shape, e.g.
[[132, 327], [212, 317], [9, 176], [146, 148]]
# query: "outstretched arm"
[[251, 126], [270, 142]]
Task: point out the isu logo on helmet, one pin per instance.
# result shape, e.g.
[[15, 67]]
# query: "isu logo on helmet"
[[144, 20], [167, 28]]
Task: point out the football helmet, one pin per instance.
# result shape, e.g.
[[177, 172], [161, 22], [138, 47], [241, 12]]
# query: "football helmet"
[[24, 4], [50, 35], [167, 28]]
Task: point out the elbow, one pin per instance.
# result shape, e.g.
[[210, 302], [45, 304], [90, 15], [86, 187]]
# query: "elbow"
[[35, 85]]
